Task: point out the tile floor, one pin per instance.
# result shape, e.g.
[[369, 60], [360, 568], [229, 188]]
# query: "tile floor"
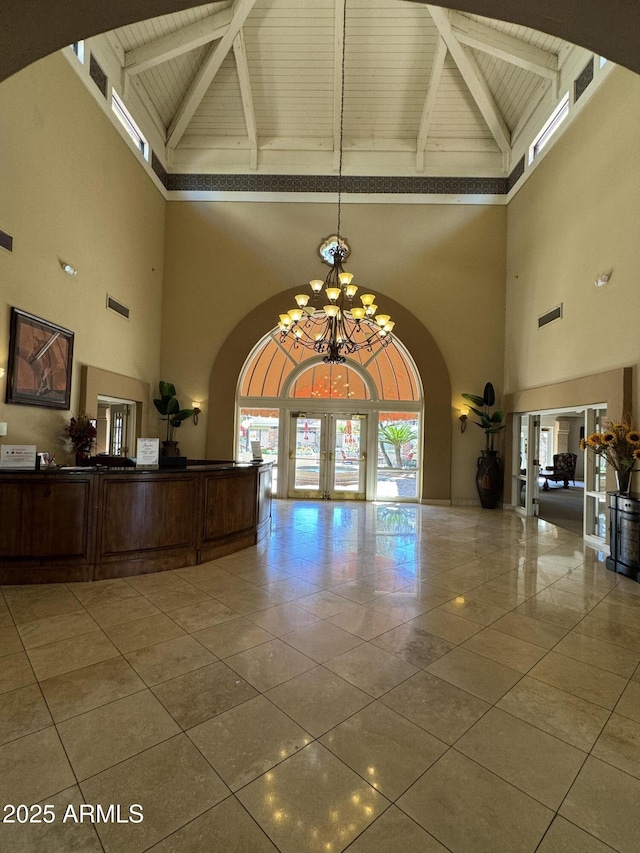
[[375, 678]]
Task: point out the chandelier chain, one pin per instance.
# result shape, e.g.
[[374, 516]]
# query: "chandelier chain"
[[344, 51], [332, 325]]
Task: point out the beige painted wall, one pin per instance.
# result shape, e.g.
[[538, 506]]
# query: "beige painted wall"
[[72, 189], [575, 218], [445, 264]]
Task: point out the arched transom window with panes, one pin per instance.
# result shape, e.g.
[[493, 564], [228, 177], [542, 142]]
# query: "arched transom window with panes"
[[348, 430]]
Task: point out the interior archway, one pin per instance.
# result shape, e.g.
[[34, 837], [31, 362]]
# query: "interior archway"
[[36, 29], [431, 367], [359, 436]]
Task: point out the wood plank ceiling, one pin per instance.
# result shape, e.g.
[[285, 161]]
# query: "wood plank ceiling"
[[256, 84]]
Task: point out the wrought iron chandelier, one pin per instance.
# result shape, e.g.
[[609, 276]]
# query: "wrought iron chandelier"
[[338, 327]]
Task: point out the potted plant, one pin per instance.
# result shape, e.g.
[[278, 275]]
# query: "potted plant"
[[489, 473], [82, 433], [169, 408]]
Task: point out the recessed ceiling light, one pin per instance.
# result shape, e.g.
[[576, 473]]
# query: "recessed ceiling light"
[[68, 268]]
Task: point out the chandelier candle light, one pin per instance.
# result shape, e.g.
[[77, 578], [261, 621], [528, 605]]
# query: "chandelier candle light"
[[337, 328]]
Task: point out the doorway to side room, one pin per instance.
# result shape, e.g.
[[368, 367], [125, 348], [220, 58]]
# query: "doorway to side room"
[[542, 442], [116, 426]]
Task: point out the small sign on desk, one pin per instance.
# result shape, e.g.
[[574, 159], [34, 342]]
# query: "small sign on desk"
[[256, 451], [148, 453], [18, 456]]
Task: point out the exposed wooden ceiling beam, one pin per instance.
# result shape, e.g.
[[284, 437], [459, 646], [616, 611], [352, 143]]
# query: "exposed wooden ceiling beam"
[[203, 141], [337, 80], [472, 76], [181, 41], [430, 101], [206, 73], [541, 89], [148, 104], [515, 51], [240, 53]]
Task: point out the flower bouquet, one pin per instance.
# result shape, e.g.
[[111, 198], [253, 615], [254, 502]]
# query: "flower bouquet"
[[619, 444], [82, 433]]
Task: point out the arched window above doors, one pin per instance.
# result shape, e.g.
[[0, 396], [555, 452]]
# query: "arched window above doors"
[[343, 430], [268, 370], [329, 382]]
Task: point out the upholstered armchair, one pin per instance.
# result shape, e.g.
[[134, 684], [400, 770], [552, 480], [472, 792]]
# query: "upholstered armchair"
[[564, 469]]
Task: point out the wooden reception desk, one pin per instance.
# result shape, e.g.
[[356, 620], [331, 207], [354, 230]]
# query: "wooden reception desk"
[[95, 523]]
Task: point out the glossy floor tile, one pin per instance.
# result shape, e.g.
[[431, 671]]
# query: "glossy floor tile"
[[318, 699], [109, 734], [56, 837], [267, 735], [384, 748], [522, 754], [472, 810], [311, 801], [432, 680]]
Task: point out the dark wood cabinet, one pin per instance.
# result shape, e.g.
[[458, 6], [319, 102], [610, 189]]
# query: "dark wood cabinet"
[[64, 526], [624, 534], [229, 513], [46, 526], [147, 523]]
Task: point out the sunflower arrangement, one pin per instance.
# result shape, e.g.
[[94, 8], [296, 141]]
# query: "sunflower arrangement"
[[619, 444]]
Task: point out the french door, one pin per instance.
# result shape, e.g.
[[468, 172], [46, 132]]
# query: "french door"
[[526, 464], [121, 428], [595, 481], [327, 455]]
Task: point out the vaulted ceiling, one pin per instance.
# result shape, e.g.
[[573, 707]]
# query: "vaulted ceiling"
[[234, 86]]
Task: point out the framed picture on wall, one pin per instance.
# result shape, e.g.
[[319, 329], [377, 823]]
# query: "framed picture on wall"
[[40, 359]]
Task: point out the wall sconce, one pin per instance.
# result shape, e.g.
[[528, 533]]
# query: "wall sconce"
[[66, 267], [1, 372], [464, 414], [195, 405]]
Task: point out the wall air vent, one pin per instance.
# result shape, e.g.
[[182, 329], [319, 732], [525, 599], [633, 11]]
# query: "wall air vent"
[[97, 75], [550, 316], [118, 307], [582, 80], [6, 241]]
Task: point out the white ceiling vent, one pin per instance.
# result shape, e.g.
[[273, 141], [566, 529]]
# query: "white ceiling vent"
[[118, 307]]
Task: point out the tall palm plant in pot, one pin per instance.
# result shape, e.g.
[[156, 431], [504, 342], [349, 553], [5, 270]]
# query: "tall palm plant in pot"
[[169, 408], [489, 473]]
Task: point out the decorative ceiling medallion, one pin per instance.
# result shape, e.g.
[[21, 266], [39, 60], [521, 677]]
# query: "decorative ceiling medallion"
[[327, 248]]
